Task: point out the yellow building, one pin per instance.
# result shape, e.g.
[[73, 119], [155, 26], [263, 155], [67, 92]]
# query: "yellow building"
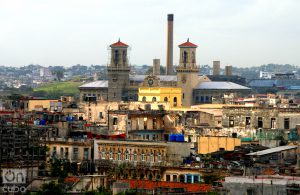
[[150, 90], [40, 105], [208, 145], [161, 94]]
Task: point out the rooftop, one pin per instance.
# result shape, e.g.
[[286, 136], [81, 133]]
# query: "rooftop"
[[271, 150], [220, 85], [119, 44], [140, 78], [188, 44], [95, 84]]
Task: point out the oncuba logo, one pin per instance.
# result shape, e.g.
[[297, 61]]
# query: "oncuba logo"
[[14, 176], [11, 178]]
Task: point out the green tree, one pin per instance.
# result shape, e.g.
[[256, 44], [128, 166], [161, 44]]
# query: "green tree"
[[210, 178], [51, 189], [59, 74]]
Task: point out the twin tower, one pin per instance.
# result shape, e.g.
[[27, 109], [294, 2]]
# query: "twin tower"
[[120, 87]]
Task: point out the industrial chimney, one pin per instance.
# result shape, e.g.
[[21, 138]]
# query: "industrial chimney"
[[216, 67], [156, 67], [169, 65], [228, 70]]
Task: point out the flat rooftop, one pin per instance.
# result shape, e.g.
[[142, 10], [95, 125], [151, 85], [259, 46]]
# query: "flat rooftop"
[[271, 150]]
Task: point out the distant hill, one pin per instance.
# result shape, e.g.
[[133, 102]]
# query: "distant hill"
[[57, 89]]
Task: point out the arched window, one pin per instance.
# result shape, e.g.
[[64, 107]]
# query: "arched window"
[[126, 155], [175, 101], [116, 57], [144, 99], [124, 57], [158, 157], [185, 57], [103, 154], [154, 99], [119, 155], [143, 156], [151, 157], [165, 99], [134, 156], [193, 57], [110, 155]]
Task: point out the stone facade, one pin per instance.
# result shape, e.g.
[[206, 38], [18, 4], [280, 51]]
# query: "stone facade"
[[187, 72], [260, 117], [118, 73]]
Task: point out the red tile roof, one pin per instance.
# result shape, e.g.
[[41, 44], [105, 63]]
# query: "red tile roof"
[[188, 44], [150, 185], [119, 44]]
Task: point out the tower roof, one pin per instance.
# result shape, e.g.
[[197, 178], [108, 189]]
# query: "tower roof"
[[188, 44], [119, 44]]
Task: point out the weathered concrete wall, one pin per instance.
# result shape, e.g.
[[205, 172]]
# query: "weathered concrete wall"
[[259, 185], [239, 116], [176, 151]]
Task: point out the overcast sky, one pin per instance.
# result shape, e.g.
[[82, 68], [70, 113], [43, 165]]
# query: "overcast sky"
[[67, 32]]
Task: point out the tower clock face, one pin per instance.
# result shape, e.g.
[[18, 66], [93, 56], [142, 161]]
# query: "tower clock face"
[[150, 82], [183, 78]]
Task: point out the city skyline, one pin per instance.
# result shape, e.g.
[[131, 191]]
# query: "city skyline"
[[239, 33]]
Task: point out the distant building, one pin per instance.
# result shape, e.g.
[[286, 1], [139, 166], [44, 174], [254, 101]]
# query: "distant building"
[[121, 86], [261, 184], [265, 75], [284, 76], [151, 91], [277, 155]]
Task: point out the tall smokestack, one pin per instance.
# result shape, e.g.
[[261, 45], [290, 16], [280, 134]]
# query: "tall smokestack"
[[156, 67], [228, 70], [170, 45], [216, 67]]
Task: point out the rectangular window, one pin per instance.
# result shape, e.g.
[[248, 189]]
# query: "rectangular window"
[[189, 179], [135, 157], [168, 178], [154, 123], [54, 152], [231, 121], [115, 121], [100, 115], [273, 123], [196, 178], [259, 122], [110, 155], [250, 191], [61, 152], [119, 156], [103, 155], [174, 178], [248, 120], [202, 99], [75, 153], [159, 158], [66, 153], [143, 157], [86, 153], [286, 123]]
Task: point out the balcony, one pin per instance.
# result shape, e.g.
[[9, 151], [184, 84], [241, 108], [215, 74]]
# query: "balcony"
[[187, 69]]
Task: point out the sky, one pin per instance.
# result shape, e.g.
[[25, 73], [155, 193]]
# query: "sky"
[[241, 33]]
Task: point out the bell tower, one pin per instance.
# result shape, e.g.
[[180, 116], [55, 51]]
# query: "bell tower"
[[187, 71], [118, 72]]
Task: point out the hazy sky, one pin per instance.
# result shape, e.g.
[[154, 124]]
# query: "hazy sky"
[[67, 32]]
